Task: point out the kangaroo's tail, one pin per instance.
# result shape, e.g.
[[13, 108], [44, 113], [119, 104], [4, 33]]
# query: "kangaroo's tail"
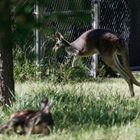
[[125, 59]]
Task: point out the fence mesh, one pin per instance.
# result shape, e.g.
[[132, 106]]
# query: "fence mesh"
[[58, 15], [23, 21], [70, 24], [116, 16], [122, 16]]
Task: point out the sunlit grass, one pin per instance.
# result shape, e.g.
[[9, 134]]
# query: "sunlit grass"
[[99, 109]]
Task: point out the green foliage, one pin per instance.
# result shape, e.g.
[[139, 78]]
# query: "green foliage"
[[55, 72], [105, 71], [25, 68]]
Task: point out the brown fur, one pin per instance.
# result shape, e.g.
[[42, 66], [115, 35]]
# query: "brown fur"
[[30, 121], [104, 42]]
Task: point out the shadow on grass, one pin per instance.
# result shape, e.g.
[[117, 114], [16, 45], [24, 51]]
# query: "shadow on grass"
[[72, 109]]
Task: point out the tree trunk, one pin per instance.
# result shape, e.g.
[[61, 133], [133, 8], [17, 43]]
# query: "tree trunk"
[[6, 59]]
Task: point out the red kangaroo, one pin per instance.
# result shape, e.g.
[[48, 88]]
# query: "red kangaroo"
[[104, 42]]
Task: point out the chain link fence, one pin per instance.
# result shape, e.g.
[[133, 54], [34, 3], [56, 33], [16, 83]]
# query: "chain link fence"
[[23, 21], [123, 17], [72, 18]]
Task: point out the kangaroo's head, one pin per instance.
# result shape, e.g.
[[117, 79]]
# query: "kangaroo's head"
[[44, 102], [42, 121], [61, 42]]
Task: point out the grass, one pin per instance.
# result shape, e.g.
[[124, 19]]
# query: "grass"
[[90, 110]]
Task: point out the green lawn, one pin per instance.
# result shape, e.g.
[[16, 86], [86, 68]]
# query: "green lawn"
[[90, 110]]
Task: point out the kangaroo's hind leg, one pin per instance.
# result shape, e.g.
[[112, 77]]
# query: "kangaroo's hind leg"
[[114, 63], [128, 80]]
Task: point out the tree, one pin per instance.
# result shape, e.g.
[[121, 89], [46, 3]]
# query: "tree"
[[6, 58]]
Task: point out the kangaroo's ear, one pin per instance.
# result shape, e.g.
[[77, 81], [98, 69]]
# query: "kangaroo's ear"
[[58, 35], [48, 107]]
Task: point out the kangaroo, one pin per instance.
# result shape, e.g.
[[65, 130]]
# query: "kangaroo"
[[107, 44], [41, 122], [25, 121]]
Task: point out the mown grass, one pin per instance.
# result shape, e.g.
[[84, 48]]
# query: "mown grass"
[[90, 110]]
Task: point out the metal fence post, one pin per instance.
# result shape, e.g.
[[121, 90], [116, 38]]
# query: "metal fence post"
[[95, 24], [36, 33]]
